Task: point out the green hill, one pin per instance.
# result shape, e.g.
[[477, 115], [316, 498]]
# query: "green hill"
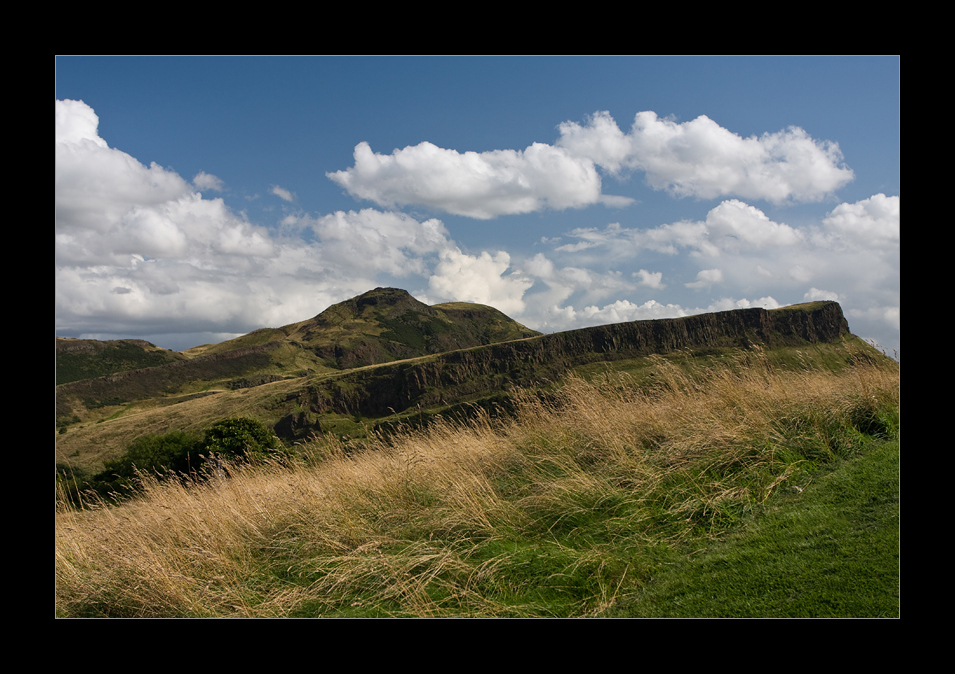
[[375, 362], [381, 326], [78, 359]]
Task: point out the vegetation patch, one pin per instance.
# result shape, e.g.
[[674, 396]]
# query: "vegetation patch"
[[605, 497], [171, 455]]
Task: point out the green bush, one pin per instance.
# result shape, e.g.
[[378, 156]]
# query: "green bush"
[[239, 438], [175, 452]]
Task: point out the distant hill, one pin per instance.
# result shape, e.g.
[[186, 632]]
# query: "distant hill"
[[384, 325], [381, 326], [78, 359]]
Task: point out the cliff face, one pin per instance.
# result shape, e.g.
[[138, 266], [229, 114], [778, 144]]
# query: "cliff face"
[[456, 375]]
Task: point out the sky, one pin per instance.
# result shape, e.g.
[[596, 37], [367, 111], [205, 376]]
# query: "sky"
[[200, 198]]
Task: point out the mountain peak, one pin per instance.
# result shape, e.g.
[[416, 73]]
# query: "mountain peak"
[[385, 296], [377, 302]]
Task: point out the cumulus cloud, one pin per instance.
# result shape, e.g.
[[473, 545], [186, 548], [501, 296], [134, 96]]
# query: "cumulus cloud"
[[95, 186], [817, 294], [567, 317], [650, 279], [854, 249], [701, 159], [77, 124], [624, 310], [875, 221], [375, 241], [479, 278], [109, 207], [140, 250], [706, 278], [698, 158], [478, 185], [732, 226], [562, 282]]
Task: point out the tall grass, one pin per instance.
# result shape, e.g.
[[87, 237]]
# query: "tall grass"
[[561, 510]]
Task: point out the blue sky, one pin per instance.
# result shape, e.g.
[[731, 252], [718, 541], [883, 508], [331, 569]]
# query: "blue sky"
[[200, 198]]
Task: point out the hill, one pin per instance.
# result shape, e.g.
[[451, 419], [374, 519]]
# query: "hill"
[[78, 359], [251, 376], [380, 326], [383, 325]]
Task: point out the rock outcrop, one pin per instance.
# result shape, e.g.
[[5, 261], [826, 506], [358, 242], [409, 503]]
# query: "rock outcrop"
[[379, 391]]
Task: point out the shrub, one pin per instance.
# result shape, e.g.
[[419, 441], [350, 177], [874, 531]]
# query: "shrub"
[[175, 452], [239, 438], [171, 454]]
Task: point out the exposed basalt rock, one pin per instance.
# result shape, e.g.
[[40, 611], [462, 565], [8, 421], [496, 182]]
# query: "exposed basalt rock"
[[297, 426], [249, 382]]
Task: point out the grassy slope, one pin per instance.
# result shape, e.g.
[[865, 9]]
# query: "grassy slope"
[[602, 500], [87, 445], [830, 549]]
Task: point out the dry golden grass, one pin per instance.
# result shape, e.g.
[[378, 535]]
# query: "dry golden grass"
[[421, 524]]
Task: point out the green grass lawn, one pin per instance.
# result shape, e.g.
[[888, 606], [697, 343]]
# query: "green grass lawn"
[[831, 550]]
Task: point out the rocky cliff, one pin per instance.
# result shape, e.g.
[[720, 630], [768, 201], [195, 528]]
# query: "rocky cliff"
[[376, 392]]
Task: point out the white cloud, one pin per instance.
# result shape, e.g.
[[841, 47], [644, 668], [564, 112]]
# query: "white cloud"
[[282, 193], [698, 158], [706, 278], [566, 317], [734, 224], [207, 181], [650, 279], [601, 140], [731, 226], [701, 159], [141, 250], [478, 185], [554, 285], [109, 206], [850, 255], [77, 124], [729, 304], [479, 278], [816, 295], [875, 221], [625, 311], [95, 186], [373, 241]]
